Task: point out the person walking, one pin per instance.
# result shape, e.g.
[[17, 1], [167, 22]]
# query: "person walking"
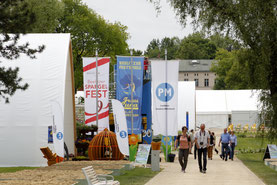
[[202, 140], [210, 148], [224, 140], [214, 143], [234, 143], [191, 135], [184, 148], [195, 147]]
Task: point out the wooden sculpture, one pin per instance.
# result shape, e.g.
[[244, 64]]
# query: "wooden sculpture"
[[104, 147]]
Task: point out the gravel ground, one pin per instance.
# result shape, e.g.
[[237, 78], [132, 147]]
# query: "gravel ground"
[[63, 173]]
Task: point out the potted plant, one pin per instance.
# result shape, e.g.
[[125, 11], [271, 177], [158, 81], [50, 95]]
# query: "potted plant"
[[170, 157], [82, 129], [83, 140], [156, 143]]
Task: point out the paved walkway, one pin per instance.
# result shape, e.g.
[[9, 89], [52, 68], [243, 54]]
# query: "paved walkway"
[[219, 172]]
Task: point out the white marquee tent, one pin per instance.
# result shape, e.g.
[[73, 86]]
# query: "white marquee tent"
[[186, 104], [216, 108], [24, 121]]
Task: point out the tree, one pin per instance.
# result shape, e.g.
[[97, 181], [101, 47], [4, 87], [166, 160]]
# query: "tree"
[[196, 46], [14, 18], [89, 32], [47, 13], [224, 42], [231, 74], [254, 23], [135, 52], [156, 48], [153, 49]]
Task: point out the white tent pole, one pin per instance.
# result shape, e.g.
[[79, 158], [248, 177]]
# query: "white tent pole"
[[166, 105], [96, 54], [132, 96], [195, 109]]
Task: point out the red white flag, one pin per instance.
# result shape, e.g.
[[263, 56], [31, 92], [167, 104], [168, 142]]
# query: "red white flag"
[[89, 69]]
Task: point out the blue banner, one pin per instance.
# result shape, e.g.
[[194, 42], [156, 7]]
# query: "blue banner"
[[50, 134], [123, 90]]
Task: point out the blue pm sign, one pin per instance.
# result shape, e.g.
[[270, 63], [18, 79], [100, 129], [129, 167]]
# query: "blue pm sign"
[[165, 92]]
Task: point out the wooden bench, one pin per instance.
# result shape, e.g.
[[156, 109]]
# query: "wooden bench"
[[94, 179], [49, 155]]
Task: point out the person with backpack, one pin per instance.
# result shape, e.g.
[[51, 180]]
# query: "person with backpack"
[[184, 148]]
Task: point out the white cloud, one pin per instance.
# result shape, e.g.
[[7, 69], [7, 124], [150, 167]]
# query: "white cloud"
[[141, 19]]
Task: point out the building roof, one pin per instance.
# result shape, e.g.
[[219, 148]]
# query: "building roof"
[[195, 65]]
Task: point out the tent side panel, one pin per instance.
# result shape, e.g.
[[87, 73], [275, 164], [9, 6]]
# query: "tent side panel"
[[69, 104], [245, 117], [212, 120]]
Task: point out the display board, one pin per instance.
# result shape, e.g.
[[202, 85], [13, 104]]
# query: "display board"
[[271, 152], [143, 153]]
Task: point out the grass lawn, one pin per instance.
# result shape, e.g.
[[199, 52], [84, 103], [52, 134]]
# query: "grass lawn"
[[136, 176], [251, 143], [14, 169], [254, 161]]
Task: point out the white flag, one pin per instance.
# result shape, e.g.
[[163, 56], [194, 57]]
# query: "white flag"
[[120, 125], [89, 69], [165, 97], [58, 129]]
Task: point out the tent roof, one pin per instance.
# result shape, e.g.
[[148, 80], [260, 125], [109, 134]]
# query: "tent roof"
[[24, 121], [226, 101]]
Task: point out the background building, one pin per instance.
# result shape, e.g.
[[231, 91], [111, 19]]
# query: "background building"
[[198, 71]]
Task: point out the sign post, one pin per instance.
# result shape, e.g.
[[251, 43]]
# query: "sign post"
[[166, 104], [132, 89], [96, 55]]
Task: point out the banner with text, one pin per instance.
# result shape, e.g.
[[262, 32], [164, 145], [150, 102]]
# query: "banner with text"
[[165, 97], [120, 127], [89, 69], [124, 89], [58, 128]]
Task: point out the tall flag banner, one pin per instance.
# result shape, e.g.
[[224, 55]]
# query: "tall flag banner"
[[165, 97], [120, 125], [123, 89], [89, 70], [58, 128]]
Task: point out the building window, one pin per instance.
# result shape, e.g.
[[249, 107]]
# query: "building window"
[[195, 74], [186, 79], [186, 74], [206, 74], [206, 83], [196, 82]]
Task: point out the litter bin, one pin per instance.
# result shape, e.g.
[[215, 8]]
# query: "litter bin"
[[155, 160], [170, 157]]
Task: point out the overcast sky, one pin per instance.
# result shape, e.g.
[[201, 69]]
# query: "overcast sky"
[[141, 19]]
